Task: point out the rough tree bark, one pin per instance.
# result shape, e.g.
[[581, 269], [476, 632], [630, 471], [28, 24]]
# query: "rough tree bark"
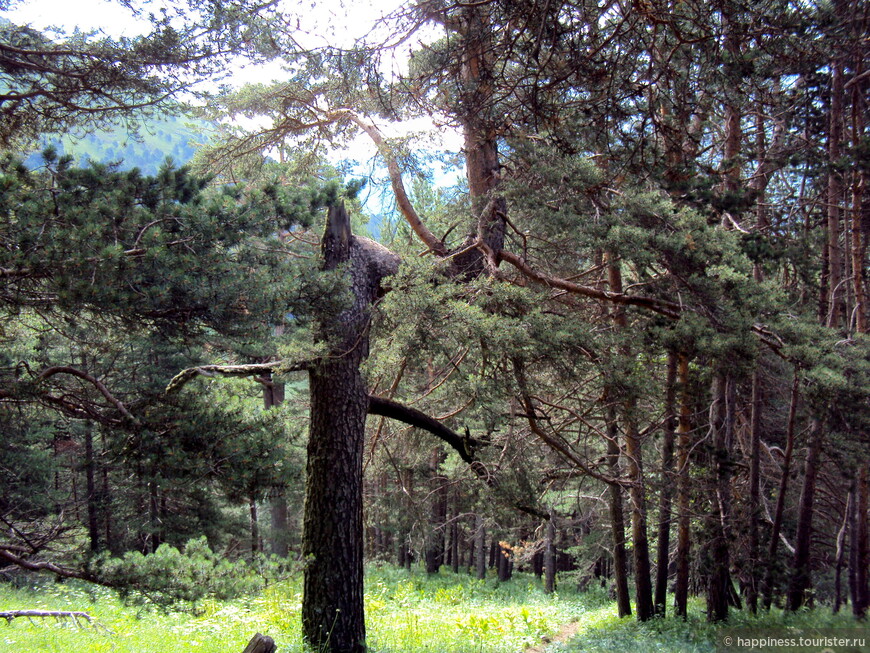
[[332, 541]]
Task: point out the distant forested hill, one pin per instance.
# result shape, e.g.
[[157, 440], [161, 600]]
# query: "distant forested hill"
[[154, 141]]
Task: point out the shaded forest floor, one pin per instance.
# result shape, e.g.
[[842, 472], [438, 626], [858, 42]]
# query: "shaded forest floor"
[[406, 613]]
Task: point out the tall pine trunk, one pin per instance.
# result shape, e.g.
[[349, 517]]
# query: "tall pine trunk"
[[767, 586], [860, 556], [684, 444], [666, 493], [634, 467], [617, 521], [332, 541], [801, 578], [718, 528]]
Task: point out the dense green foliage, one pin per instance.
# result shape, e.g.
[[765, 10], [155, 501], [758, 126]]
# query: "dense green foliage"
[[642, 317]]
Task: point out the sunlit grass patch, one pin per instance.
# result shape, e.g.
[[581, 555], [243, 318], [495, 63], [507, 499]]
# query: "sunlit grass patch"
[[449, 612], [601, 631]]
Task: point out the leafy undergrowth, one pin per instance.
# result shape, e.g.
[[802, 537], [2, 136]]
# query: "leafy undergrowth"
[[405, 613]]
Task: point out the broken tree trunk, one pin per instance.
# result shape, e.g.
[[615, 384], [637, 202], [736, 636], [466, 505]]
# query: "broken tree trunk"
[[332, 540], [260, 644]]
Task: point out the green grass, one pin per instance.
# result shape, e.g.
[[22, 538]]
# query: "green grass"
[[405, 613], [601, 631]]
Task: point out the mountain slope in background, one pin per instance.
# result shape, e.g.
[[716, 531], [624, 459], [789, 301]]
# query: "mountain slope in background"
[[147, 149]]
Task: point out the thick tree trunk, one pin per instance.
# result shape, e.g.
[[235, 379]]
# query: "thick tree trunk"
[[801, 577], [666, 493], [504, 563], [332, 543], [480, 132], [684, 437]]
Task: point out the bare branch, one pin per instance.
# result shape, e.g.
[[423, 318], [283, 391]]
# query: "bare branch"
[[51, 371], [182, 378]]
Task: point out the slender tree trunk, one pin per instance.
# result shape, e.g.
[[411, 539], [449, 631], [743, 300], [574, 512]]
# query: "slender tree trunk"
[[640, 540], [550, 556], [106, 502], [801, 577], [835, 303], [684, 443], [776, 528], [480, 546], [861, 554], [858, 228], [438, 514], [840, 555], [637, 489], [279, 545], [91, 487], [719, 576], [154, 513], [617, 521], [454, 545], [332, 543], [754, 489], [666, 492], [255, 526]]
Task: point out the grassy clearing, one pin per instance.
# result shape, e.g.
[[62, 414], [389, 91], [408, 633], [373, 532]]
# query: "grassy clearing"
[[406, 613]]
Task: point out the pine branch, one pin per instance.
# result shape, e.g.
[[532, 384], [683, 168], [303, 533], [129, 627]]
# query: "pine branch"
[[182, 378]]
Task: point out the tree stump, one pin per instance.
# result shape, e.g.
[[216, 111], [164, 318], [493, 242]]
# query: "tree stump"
[[260, 644]]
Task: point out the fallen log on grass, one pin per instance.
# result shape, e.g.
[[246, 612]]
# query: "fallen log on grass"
[[57, 614], [9, 615]]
